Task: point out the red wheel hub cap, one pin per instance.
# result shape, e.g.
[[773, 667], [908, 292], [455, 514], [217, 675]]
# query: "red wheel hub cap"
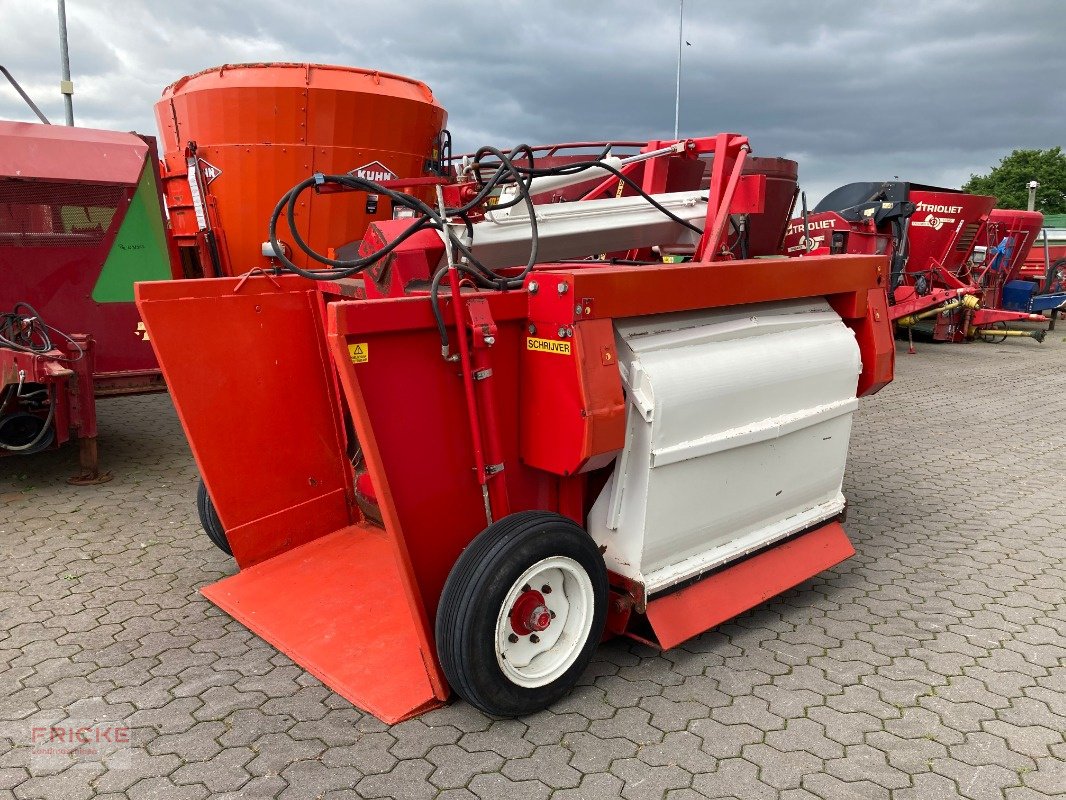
[[530, 614]]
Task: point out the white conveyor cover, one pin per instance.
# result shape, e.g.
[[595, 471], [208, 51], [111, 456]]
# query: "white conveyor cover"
[[737, 427]]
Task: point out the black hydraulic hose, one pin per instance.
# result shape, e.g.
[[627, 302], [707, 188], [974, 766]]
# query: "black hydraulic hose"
[[18, 448], [899, 257], [434, 290], [431, 218], [22, 329], [506, 172], [347, 267], [350, 266]]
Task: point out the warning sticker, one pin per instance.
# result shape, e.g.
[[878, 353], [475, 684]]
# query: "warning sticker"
[[209, 171], [548, 345], [359, 352]]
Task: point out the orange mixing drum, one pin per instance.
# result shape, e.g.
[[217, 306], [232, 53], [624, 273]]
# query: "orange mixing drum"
[[237, 137]]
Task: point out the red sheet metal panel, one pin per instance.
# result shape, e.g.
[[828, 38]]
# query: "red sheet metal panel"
[[582, 426], [29, 150], [408, 409], [336, 606], [608, 292], [943, 229], [715, 599], [876, 343], [252, 382]]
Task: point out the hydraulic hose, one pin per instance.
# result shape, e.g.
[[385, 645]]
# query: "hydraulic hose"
[[18, 448], [507, 172], [23, 330]]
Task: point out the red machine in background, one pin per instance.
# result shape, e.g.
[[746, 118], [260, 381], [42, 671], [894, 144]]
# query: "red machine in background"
[[1006, 238], [235, 137], [519, 430], [1045, 264], [1027, 272], [930, 233], [81, 219]]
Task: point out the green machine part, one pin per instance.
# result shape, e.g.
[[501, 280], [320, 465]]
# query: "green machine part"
[[139, 252]]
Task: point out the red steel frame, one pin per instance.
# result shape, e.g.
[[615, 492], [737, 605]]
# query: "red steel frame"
[[352, 601]]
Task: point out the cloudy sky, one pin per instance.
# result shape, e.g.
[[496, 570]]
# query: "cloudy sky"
[[930, 91]]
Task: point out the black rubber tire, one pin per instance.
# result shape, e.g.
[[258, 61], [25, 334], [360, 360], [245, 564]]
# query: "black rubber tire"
[[209, 520], [476, 588]]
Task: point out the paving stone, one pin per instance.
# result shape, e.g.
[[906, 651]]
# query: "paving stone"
[[735, 777], [315, 779], [725, 741], [500, 787], [409, 779], [644, 782], [682, 749], [928, 666], [549, 764], [456, 767], [867, 763]]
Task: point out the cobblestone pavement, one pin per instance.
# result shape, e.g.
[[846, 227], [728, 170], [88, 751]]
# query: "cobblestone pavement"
[[930, 665]]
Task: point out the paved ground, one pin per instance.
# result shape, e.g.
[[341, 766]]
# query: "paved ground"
[[931, 665]]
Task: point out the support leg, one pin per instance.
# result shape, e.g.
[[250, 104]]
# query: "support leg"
[[89, 459]]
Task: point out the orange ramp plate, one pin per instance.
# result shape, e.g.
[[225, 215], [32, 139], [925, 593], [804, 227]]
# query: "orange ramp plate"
[[732, 591], [336, 606]]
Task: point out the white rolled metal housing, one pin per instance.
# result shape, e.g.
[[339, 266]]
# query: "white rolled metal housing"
[[737, 433]]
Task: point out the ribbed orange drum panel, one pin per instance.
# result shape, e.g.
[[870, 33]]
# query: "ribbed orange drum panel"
[[261, 128]]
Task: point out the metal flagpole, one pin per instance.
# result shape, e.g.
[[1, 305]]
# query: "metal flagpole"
[[680, 44], [66, 86]]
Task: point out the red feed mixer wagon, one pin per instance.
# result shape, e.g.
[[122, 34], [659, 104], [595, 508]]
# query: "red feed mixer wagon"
[[930, 233], [495, 433], [81, 219]]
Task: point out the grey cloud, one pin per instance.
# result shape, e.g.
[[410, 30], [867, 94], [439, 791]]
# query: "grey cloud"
[[927, 91]]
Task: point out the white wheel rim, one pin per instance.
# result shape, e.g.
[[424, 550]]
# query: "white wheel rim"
[[541, 656]]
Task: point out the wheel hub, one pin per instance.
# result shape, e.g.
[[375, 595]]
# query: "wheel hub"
[[530, 614], [543, 622]]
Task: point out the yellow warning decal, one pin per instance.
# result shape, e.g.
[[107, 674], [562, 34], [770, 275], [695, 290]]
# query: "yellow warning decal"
[[548, 345], [360, 352]]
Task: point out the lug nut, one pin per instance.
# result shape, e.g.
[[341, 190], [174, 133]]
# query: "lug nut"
[[527, 588], [552, 613], [545, 589], [534, 638], [513, 638]]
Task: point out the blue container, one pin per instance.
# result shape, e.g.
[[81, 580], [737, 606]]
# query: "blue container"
[[1018, 295]]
